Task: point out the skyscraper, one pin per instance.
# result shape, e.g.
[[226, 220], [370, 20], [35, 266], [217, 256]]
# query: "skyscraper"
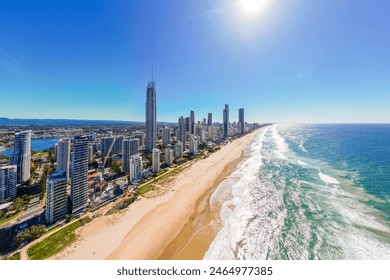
[[105, 145], [178, 149], [210, 133], [192, 122], [166, 138], [140, 135], [118, 145], [135, 167], [226, 124], [210, 119], [56, 196], [130, 147], [241, 121], [90, 152], [181, 132], [8, 180], [156, 160], [188, 124], [79, 175], [168, 155], [22, 155], [151, 117], [63, 156], [194, 146]]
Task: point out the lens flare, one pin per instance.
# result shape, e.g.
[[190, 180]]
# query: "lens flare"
[[252, 7]]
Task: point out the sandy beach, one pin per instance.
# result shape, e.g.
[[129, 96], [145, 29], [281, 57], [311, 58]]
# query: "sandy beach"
[[160, 227]]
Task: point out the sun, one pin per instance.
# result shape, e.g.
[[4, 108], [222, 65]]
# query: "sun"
[[252, 7]]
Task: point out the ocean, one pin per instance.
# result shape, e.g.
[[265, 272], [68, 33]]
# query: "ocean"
[[307, 192]]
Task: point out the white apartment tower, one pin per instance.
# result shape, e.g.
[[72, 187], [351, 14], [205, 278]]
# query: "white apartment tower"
[[56, 196], [169, 155], [130, 147], [194, 146], [63, 156], [156, 160], [8, 181], [79, 175], [135, 167], [166, 137], [22, 155]]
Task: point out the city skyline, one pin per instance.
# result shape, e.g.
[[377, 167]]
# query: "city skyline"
[[283, 63]]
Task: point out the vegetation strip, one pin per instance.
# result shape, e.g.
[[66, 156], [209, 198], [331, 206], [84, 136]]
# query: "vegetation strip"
[[56, 242]]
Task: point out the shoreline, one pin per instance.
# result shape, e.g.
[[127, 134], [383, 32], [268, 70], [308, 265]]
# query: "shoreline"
[[195, 237], [148, 227]]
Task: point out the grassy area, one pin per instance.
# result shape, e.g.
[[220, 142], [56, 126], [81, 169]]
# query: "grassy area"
[[2, 221], [56, 242], [151, 186], [14, 257], [146, 188]]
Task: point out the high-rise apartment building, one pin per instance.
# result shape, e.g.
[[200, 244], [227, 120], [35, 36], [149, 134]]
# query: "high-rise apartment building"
[[169, 156], [210, 119], [226, 123], [8, 180], [166, 136], [118, 145], [179, 149], [194, 146], [192, 122], [79, 175], [21, 156], [187, 123], [241, 121], [156, 160], [56, 196], [140, 135], [90, 152], [105, 144], [63, 156], [135, 167], [181, 132], [130, 147], [151, 117], [210, 133]]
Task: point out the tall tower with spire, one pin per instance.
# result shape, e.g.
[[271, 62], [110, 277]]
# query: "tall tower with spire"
[[151, 116], [226, 123]]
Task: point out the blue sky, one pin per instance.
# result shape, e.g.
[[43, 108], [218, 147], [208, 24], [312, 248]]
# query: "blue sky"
[[292, 61]]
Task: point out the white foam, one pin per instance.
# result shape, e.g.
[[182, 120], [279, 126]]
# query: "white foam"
[[302, 163], [303, 149], [327, 179], [254, 212], [281, 145], [231, 194]]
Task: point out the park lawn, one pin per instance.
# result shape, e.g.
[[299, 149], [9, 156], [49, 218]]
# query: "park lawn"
[[55, 243], [146, 188], [150, 186], [14, 257]]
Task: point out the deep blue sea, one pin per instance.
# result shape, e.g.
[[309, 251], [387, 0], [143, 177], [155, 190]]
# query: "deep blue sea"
[[308, 192], [36, 144]]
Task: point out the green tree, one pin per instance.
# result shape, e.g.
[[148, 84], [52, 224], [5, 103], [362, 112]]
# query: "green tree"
[[18, 204], [30, 234], [115, 167], [50, 156]]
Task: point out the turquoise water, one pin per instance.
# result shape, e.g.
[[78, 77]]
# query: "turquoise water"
[[308, 192], [36, 144]]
